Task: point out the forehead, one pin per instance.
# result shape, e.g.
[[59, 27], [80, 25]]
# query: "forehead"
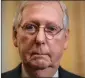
[[43, 8], [36, 4]]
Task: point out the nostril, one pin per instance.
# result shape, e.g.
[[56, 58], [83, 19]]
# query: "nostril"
[[39, 42]]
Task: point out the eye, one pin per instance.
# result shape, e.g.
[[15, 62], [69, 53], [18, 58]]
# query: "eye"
[[30, 28], [50, 29]]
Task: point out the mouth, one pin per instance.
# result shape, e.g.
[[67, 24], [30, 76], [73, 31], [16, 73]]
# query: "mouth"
[[35, 53], [40, 53], [39, 56]]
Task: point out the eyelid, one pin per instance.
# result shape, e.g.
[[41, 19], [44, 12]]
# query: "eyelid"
[[30, 23], [50, 23], [52, 26]]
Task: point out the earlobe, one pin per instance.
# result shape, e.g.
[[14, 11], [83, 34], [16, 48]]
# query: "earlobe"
[[14, 37], [66, 39], [15, 43], [66, 45]]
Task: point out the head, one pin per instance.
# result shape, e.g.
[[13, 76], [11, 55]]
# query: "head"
[[40, 32]]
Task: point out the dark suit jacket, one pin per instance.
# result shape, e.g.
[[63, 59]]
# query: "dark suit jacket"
[[16, 73]]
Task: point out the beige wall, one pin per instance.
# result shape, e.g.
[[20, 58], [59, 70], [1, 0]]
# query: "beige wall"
[[74, 57]]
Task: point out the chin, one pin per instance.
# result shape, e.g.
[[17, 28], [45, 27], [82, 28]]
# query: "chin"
[[39, 64]]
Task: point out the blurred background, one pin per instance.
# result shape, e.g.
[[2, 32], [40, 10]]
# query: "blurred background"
[[74, 57]]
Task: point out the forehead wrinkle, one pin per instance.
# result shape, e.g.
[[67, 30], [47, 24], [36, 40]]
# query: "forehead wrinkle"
[[35, 4]]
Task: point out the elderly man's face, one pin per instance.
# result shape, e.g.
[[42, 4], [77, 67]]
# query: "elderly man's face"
[[36, 50]]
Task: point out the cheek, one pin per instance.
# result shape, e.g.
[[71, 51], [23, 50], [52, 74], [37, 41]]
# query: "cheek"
[[25, 42], [56, 50]]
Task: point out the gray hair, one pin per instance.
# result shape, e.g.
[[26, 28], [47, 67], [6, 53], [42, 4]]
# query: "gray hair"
[[18, 17]]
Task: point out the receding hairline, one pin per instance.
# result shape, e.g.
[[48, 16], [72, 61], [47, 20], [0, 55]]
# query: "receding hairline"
[[23, 4], [35, 3]]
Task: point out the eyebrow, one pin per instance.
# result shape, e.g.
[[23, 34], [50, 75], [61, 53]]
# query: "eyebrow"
[[38, 23], [35, 22], [31, 21]]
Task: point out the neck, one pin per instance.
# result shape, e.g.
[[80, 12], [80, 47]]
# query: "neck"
[[35, 73]]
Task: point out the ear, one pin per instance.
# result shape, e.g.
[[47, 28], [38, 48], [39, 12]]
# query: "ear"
[[66, 39], [14, 36]]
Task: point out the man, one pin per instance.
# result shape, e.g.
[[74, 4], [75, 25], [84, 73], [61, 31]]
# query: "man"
[[41, 34]]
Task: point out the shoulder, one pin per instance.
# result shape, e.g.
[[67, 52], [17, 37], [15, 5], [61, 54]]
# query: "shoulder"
[[65, 74], [15, 73]]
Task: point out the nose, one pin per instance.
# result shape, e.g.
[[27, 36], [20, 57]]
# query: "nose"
[[40, 39]]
